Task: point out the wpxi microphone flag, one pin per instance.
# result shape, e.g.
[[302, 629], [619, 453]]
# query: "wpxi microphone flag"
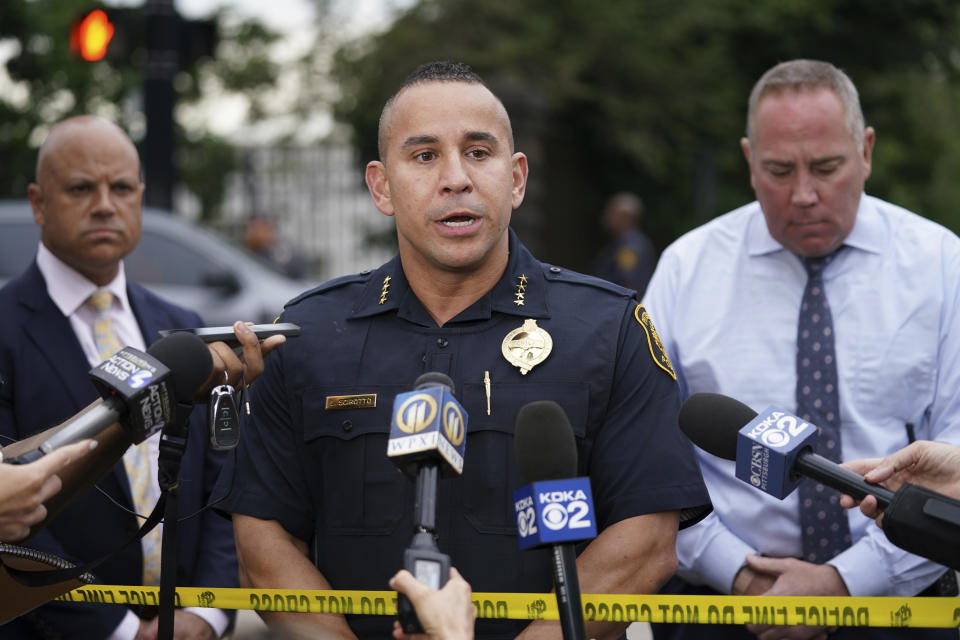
[[427, 422]]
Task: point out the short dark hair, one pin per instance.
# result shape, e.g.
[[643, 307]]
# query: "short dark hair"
[[437, 71]]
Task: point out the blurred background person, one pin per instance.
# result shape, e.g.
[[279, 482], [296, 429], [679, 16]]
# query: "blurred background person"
[[629, 258], [260, 237]]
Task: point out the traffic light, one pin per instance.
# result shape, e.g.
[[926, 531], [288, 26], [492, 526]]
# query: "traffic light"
[[90, 35], [123, 35], [113, 34]]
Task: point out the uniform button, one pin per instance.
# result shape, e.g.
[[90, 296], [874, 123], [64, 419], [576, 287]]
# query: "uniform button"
[[442, 342], [554, 269], [347, 425], [365, 272]]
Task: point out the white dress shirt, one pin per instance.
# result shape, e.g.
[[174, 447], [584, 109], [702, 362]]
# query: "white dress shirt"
[[725, 299]]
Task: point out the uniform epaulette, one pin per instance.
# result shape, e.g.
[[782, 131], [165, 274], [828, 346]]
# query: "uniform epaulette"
[[558, 274], [330, 285]]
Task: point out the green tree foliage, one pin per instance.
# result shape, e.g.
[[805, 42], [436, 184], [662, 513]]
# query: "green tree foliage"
[[50, 83], [650, 96], [47, 83]]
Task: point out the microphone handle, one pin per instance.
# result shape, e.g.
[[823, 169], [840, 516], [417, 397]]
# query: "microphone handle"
[[86, 425], [425, 506], [568, 592], [812, 465]]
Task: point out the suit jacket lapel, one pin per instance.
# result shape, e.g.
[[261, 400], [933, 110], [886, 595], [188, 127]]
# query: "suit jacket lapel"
[[53, 337], [151, 318]]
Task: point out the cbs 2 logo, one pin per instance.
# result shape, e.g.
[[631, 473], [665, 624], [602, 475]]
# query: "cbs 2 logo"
[[556, 516]]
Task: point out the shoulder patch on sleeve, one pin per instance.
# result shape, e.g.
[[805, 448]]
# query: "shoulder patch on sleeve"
[[657, 351]]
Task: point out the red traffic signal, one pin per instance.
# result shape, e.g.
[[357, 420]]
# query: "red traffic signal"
[[90, 36]]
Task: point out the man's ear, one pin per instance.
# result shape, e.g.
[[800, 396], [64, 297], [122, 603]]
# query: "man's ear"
[[869, 139], [745, 147], [379, 186], [35, 195], [519, 162]]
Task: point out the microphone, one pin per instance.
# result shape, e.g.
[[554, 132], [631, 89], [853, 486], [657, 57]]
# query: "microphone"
[[555, 509], [772, 450], [427, 438], [189, 364], [139, 390]]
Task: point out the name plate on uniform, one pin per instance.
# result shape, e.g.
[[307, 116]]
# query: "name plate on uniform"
[[360, 401]]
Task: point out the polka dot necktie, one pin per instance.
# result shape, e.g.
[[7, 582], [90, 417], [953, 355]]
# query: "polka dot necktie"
[[825, 530], [136, 460]]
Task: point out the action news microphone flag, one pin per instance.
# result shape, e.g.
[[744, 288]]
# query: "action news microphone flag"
[[139, 390], [188, 363], [427, 435], [773, 450], [556, 508]]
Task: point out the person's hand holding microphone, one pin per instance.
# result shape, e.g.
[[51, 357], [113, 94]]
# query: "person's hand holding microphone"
[[24, 489]]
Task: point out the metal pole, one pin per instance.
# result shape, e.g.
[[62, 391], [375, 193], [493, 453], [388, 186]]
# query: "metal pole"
[[162, 33]]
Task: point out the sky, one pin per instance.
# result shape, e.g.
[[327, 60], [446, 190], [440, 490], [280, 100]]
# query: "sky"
[[297, 20], [224, 114], [292, 15]]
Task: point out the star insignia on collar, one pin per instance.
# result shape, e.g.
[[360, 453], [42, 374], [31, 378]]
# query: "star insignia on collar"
[[384, 290], [521, 287]]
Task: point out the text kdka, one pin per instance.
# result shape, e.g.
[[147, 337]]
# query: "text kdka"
[[554, 511], [768, 446]]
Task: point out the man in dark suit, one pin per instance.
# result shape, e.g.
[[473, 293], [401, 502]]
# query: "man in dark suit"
[[87, 200]]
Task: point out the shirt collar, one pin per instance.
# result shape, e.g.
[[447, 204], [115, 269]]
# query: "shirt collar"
[[389, 283], [867, 233], [69, 289]]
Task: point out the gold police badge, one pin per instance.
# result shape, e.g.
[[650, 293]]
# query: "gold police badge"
[[527, 346], [653, 341]]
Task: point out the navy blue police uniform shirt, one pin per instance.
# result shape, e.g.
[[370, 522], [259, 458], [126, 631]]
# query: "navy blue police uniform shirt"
[[317, 463]]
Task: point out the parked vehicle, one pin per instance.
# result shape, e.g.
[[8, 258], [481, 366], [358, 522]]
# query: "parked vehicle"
[[185, 264]]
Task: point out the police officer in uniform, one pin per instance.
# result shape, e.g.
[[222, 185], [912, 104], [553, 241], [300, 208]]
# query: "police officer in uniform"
[[316, 502], [629, 258]]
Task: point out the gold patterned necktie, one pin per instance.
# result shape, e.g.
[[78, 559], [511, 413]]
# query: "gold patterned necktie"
[[136, 460], [104, 335]]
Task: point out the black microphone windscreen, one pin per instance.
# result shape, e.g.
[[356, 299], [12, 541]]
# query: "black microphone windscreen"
[[712, 420], [433, 379], [911, 522], [543, 442], [188, 359]]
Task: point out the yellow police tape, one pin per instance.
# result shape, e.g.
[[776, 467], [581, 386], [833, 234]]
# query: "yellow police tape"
[[776, 610]]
